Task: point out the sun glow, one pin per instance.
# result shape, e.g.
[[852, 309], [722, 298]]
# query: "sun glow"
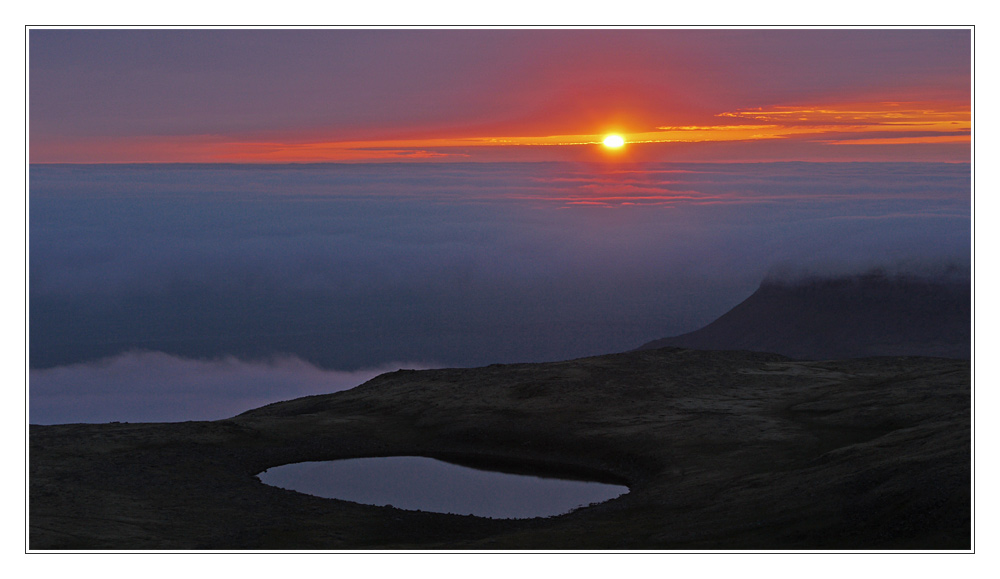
[[614, 141], [827, 126]]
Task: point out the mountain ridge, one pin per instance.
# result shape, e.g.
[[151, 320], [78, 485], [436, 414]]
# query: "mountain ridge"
[[870, 314]]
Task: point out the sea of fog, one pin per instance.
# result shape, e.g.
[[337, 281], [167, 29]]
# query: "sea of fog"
[[190, 292]]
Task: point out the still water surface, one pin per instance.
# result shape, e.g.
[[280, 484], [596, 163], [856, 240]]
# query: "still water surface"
[[425, 484]]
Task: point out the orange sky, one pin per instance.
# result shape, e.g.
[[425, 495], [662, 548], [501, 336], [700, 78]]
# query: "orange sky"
[[467, 96], [942, 127]]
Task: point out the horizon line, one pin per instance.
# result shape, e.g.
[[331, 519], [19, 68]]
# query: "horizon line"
[[469, 162]]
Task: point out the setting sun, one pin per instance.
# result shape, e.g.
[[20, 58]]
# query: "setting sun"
[[614, 141]]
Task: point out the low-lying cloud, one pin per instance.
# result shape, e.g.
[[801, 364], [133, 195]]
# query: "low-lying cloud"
[[158, 387], [356, 266]]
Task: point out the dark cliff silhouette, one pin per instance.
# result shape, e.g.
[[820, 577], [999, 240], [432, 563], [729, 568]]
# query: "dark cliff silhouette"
[[874, 314]]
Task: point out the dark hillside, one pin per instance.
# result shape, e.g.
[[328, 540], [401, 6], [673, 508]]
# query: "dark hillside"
[[848, 317], [720, 450]]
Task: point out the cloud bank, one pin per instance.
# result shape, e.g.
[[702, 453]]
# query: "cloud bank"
[[157, 387], [350, 267]]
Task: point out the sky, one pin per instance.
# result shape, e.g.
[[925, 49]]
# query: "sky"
[[274, 96]]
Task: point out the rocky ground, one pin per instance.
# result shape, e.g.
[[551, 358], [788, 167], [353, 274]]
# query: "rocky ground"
[[721, 450]]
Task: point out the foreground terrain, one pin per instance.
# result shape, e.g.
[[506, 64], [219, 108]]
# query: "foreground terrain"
[[721, 450]]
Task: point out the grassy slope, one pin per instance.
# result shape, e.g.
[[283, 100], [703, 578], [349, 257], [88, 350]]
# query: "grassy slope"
[[721, 450]]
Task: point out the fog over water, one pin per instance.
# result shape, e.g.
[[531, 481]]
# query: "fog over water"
[[206, 290]]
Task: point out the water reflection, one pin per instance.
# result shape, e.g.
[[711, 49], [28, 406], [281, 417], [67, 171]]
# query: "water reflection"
[[419, 483]]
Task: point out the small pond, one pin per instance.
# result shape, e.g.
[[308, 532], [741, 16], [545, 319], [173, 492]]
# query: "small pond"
[[425, 484]]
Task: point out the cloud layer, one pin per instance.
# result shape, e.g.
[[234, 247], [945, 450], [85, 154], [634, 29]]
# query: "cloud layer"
[[348, 267], [352, 266], [157, 387]]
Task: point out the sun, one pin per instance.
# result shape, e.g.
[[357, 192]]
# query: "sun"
[[614, 141]]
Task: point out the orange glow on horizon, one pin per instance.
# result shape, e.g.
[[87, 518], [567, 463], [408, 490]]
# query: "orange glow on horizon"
[[863, 117], [902, 140], [876, 123]]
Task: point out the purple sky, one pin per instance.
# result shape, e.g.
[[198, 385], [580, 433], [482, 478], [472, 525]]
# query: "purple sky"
[[300, 95]]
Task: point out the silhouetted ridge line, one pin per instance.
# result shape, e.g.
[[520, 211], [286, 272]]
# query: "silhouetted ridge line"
[[870, 314]]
